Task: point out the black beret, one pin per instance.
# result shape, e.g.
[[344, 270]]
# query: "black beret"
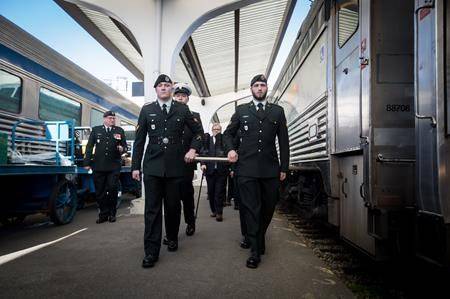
[[162, 78], [109, 113], [258, 78]]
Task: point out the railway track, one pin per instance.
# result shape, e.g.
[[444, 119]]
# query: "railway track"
[[403, 278]]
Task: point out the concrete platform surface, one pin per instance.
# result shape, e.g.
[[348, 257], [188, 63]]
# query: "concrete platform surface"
[[104, 261]]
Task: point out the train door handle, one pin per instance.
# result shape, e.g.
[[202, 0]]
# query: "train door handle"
[[363, 195], [342, 187], [361, 191], [345, 71], [431, 118]]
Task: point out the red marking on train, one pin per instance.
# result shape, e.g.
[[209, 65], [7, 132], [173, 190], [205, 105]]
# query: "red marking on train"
[[363, 46], [423, 13]]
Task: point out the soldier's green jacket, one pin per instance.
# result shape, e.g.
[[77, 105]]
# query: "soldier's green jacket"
[[257, 153], [164, 155], [107, 156]]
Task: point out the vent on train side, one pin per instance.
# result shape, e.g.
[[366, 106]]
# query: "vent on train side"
[[308, 133]]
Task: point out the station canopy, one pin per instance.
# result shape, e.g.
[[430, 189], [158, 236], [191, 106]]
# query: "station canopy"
[[221, 56]]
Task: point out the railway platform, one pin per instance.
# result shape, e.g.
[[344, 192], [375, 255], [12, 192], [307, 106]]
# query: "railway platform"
[[104, 261]]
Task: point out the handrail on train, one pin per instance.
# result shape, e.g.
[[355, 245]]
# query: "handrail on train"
[[50, 135]]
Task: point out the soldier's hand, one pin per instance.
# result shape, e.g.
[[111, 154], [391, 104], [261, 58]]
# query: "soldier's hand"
[[136, 174], [203, 168], [232, 156], [87, 167], [231, 174], [282, 176], [120, 148], [190, 156]]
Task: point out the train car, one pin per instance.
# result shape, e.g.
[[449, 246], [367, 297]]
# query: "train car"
[[364, 89], [38, 86]]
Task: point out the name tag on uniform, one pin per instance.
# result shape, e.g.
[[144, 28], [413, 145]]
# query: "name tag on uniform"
[[244, 116], [152, 114], [117, 137]]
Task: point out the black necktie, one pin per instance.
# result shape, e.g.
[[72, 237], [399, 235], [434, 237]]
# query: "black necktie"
[[108, 129], [165, 109], [260, 110]]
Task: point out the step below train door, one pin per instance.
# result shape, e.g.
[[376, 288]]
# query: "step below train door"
[[353, 224]]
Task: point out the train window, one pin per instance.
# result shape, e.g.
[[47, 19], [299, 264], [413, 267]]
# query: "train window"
[[347, 18], [10, 92], [53, 106], [96, 117]]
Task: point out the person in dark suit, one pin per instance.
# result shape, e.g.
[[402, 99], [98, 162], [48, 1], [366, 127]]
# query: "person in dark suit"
[[216, 172], [109, 142], [181, 93], [258, 167], [163, 121], [245, 243]]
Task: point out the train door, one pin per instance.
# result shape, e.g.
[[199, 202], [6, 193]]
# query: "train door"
[[347, 76], [427, 169], [353, 224], [432, 100]]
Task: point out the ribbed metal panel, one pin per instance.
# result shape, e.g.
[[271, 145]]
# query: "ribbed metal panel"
[[104, 23], [347, 24], [259, 25], [302, 147], [20, 41], [214, 42]]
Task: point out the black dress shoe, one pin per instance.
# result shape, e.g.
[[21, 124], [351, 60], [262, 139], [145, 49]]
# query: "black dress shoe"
[[101, 219], [165, 240], [190, 229], [245, 243], [112, 219], [149, 261], [172, 245], [253, 262]]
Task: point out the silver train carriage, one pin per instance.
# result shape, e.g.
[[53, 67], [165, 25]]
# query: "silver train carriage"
[[364, 89]]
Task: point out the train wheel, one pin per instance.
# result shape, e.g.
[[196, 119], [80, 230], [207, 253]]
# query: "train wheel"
[[10, 221], [63, 202]]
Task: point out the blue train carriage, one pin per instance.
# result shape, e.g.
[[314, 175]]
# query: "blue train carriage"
[[47, 107]]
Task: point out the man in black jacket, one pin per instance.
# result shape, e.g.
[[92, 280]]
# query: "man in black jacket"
[[163, 121], [181, 93], [110, 143], [258, 123], [216, 172]]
